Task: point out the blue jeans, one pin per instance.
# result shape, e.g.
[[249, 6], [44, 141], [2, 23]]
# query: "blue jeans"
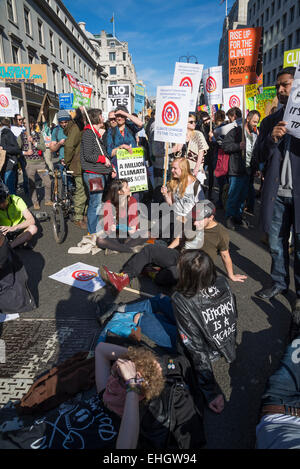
[[279, 233], [10, 180], [95, 203], [237, 193]]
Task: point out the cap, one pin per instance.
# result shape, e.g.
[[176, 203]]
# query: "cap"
[[4, 192], [63, 115], [203, 209]]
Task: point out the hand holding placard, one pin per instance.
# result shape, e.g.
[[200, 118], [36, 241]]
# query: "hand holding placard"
[[292, 110]]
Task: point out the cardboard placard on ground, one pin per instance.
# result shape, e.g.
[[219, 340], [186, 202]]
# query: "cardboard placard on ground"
[[118, 95], [83, 276], [233, 97], [171, 117], [132, 168], [292, 110], [212, 84], [188, 75]]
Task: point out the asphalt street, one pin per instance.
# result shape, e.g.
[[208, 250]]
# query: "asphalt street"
[[65, 323]]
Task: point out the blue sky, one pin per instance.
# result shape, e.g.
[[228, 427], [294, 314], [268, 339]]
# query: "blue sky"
[[158, 32]]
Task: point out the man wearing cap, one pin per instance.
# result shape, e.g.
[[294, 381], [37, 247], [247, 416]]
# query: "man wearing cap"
[[58, 137], [215, 240], [16, 221]]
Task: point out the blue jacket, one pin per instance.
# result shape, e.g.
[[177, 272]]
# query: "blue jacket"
[[115, 139], [266, 150]]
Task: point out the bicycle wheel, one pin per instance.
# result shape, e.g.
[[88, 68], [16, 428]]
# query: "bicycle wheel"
[[58, 224]]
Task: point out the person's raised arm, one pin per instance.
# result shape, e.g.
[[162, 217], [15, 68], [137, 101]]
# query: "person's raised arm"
[[104, 354], [132, 118]]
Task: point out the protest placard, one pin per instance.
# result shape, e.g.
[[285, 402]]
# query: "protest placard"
[[189, 76], [83, 276], [7, 107], [28, 73], [118, 95], [292, 110], [291, 58], [263, 102], [171, 117], [245, 56], [139, 98], [212, 84], [233, 97], [65, 101], [131, 166], [81, 92]]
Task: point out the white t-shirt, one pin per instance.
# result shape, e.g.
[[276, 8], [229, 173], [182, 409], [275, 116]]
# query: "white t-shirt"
[[183, 205], [17, 130]]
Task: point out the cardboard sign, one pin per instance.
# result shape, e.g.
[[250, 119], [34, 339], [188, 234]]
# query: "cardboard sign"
[[171, 117], [65, 101], [118, 95], [28, 73], [292, 110], [233, 97], [132, 168], [213, 85], [291, 58], [139, 99], [83, 276], [263, 102], [245, 56], [6, 103], [189, 76]]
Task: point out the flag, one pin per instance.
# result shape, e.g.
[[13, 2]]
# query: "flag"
[[112, 19], [221, 2]]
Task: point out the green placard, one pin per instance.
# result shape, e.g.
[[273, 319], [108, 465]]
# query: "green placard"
[[131, 166], [291, 58]]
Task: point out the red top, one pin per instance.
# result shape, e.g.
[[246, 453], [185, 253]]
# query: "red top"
[[132, 214]]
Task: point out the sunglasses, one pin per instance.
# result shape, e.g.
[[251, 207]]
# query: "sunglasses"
[[192, 122], [112, 119], [19, 119]]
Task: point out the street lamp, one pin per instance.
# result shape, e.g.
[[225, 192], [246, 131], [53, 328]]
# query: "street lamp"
[[187, 58]]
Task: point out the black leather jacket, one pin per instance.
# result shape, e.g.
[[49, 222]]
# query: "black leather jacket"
[[207, 327]]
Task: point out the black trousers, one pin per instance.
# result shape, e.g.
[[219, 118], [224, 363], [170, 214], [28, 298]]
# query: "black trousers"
[[159, 255]]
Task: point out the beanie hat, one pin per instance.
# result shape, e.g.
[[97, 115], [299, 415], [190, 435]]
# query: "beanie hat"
[[63, 115]]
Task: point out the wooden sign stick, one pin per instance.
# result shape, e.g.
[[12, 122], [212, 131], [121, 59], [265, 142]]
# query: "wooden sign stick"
[[138, 292], [166, 163], [26, 112]]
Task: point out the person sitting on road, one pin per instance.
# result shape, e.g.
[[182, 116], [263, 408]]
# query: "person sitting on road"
[[214, 241], [8, 142], [16, 221], [204, 333], [120, 220]]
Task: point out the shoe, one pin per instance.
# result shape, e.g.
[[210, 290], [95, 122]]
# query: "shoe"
[[150, 271], [249, 212], [108, 252], [268, 293], [80, 223], [137, 249], [36, 206], [241, 222], [49, 203], [230, 223], [119, 281]]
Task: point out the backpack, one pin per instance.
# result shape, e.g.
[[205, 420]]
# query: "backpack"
[[222, 163]]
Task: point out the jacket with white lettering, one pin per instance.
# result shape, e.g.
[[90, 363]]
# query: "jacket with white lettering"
[[207, 330]]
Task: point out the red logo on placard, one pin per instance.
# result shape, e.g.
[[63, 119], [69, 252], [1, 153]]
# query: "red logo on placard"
[[234, 101], [186, 81], [3, 101], [211, 84], [170, 114], [84, 275]]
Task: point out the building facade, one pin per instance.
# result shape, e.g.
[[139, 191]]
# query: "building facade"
[[236, 18], [44, 32], [280, 20]]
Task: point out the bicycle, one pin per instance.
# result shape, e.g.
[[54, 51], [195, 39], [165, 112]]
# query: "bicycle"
[[63, 206]]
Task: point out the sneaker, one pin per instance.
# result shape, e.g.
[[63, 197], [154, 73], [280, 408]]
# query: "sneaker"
[[36, 206], [118, 280], [241, 222], [108, 252], [230, 223], [137, 249], [81, 224], [49, 203]]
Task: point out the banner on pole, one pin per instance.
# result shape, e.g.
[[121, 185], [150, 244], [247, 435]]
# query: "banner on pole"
[[118, 95], [171, 116], [139, 98], [233, 97], [189, 76], [81, 92], [213, 85], [291, 58], [28, 73], [131, 166], [292, 110], [245, 56], [7, 107]]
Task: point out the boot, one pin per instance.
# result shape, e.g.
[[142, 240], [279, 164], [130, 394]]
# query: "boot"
[[119, 281]]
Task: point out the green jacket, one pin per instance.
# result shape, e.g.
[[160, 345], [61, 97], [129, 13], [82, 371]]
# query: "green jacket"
[[72, 148]]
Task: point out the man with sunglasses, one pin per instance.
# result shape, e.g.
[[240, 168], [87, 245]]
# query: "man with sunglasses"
[[280, 202]]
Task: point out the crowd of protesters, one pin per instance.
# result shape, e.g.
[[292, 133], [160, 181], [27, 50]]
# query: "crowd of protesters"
[[229, 152]]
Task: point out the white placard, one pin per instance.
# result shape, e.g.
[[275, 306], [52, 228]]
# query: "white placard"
[[83, 276], [171, 116], [131, 166], [6, 103], [213, 85], [189, 76], [118, 95], [233, 97], [292, 110]]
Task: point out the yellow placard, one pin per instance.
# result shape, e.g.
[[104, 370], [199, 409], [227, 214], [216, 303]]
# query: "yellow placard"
[[252, 90], [291, 58], [28, 73]]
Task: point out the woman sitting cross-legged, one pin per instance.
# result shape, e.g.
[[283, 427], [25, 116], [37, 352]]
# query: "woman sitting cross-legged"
[[121, 231]]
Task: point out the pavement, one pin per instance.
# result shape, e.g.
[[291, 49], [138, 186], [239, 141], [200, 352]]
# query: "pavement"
[[65, 323]]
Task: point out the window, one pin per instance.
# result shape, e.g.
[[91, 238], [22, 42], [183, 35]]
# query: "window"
[[30, 58], [113, 70], [277, 26], [272, 8], [51, 41], [125, 71], [250, 13], [40, 30], [274, 75], [270, 55], [113, 82], [85, 77], [265, 59], [298, 36], [54, 79], [271, 33], [254, 9], [284, 21], [27, 21], [124, 55], [290, 41], [80, 68], [62, 74], [68, 57], [11, 12], [258, 4], [267, 14], [292, 14], [60, 47], [112, 56], [15, 54], [262, 19], [275, 51], [278, 4], [269, 78], [282, 47], [74, 62], [112, 44], [57, 11]]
